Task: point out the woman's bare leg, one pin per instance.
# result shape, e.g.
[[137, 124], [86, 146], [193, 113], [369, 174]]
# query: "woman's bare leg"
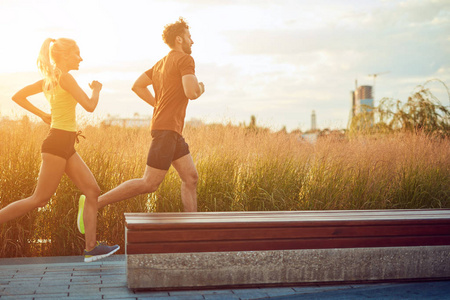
[[82, 177], [52, 169]]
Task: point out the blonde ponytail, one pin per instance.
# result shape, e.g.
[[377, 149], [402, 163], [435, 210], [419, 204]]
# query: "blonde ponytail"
[[49, 56]]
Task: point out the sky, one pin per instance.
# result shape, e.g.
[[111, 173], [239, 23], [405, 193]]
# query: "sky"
[[275, 60]]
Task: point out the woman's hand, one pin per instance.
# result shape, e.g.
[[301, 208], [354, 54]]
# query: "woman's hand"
[[47, 118], [95, 85]]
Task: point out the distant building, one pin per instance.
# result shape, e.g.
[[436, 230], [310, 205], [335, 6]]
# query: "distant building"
[[194, 123], [362, 102], [128, 122], [313, 121]]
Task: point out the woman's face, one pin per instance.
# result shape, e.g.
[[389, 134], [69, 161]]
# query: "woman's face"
[[74, 59]]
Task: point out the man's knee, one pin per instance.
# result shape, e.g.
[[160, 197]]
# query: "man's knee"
[[191, 179], [148, 187]]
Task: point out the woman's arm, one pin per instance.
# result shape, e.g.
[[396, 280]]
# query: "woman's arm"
[[69, 84], [21, 98]]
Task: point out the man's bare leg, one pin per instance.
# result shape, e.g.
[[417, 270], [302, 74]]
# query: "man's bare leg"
[[186, 169], [147, 184]]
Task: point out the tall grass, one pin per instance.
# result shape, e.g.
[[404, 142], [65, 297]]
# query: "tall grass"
[[239, 169]]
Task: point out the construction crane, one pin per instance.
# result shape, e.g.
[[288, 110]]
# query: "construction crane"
[[375, 75]]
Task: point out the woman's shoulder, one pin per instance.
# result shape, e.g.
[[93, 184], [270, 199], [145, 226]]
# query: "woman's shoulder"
[[66, 81]]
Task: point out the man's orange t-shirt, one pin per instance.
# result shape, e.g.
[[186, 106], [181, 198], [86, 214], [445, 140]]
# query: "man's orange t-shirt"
[[171, 102]]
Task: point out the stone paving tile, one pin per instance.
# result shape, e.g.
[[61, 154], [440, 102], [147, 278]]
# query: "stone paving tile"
[[30, 272], [250, 293], [120, 297], [57, 274], [221, 297], [91, 289], [53, 296], [185, 293], [86, 280], [84, 297], [144, 294], [53, 290], [123, 291], [48, 279], [112, 278], [20, 284], [113, 272], [114, 284], [18, 276], [314, 289], [55, 282], [155, 298], [16, 297], [273, 292], [86, 273], [185, 297], [23, 290]]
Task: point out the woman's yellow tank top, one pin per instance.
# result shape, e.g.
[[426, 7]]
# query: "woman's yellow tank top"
[[63, 109]]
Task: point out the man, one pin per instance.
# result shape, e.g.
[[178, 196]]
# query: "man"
[[174, 83]]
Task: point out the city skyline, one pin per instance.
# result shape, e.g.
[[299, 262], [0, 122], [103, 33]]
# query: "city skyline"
[[277, 61]]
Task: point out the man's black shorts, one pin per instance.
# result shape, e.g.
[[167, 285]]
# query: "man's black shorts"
[[60, 143], [166, 147]]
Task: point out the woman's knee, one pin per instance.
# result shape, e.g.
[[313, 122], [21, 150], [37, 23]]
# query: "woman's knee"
[[93, 192], [40, 201]]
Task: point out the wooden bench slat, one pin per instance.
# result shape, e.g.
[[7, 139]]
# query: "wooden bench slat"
[[148, 236], [346, 213], [137, 220], [283, 224], [288, 244]]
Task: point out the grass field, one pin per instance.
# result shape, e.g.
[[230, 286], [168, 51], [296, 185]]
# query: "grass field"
[[239, 169]]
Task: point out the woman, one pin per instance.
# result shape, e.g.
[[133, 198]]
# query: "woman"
[[56, 59]]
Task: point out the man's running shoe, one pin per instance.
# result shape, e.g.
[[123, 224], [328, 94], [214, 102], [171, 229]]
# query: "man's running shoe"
[[80, 221], [100, 251]]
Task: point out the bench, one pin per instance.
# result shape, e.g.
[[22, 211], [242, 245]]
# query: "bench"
[[239, 249]]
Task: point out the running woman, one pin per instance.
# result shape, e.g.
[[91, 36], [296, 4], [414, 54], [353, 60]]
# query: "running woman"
[[174, 83], [56, 59]]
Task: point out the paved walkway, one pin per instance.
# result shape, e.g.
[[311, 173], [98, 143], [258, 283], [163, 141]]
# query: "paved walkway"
[[69, 277]]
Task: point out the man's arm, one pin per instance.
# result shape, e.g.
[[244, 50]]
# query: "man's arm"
[[140, 87], [192, 88]]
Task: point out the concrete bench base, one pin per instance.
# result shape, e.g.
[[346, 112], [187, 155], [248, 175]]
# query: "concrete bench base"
[[257, 268]]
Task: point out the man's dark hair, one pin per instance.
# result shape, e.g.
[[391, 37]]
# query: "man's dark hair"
[[171, 31]]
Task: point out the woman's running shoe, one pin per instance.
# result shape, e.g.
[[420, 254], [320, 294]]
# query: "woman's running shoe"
[[100, 251]]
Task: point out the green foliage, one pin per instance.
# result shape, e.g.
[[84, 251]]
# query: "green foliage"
[[422, 112]]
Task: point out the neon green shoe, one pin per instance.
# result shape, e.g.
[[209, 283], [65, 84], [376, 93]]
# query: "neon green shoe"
[[80, 221]]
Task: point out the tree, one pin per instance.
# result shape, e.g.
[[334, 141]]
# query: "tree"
[[421, 112]]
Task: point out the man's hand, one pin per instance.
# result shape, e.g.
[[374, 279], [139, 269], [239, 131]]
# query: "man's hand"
[[202, 87]]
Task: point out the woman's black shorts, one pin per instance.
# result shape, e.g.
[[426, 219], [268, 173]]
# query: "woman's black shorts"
[[166, 147], [60, 143]]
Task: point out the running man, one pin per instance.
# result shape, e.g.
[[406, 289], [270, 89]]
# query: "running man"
[[56, 59], [174, 83]]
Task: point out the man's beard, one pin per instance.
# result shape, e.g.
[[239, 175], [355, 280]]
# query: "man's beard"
[[186, 47]]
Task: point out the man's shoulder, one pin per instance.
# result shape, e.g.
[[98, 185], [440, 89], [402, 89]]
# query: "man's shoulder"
[[178, 55]]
